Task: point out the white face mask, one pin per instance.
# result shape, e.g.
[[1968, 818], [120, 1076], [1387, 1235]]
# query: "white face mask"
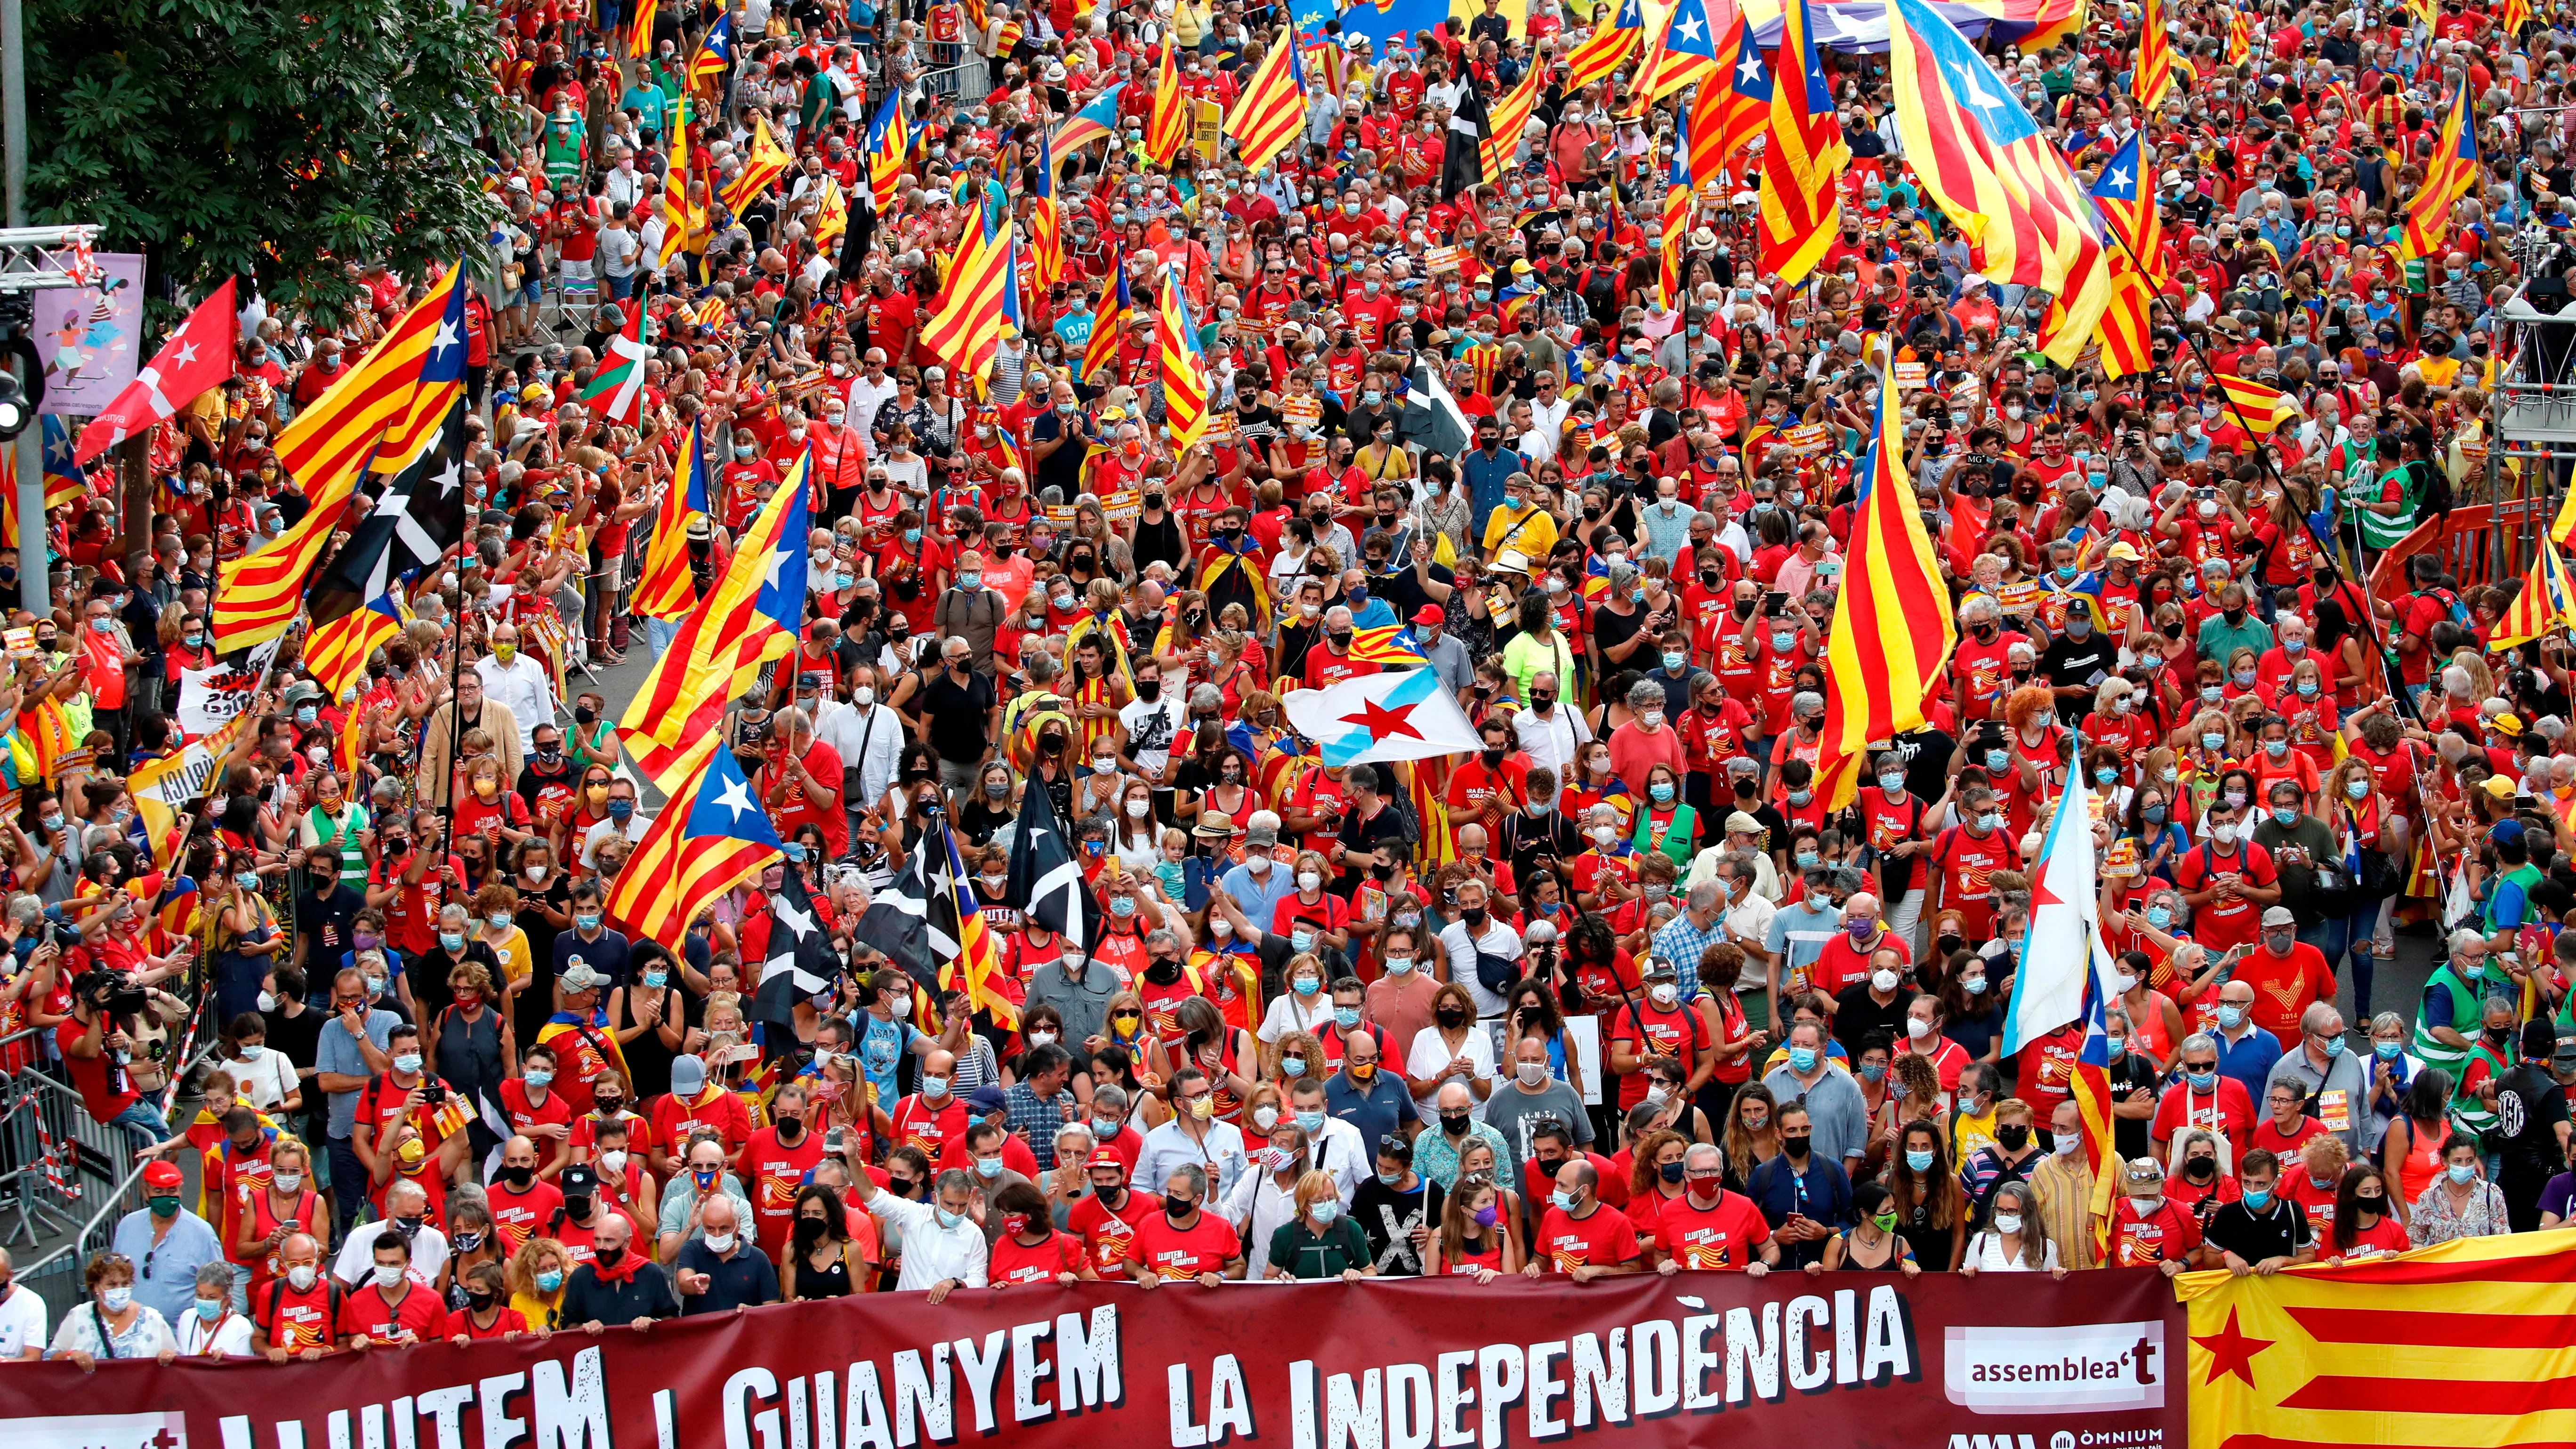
[[1308, 880], [1532, 1074], [1665, 995], [389, 1275], [720, 1243]]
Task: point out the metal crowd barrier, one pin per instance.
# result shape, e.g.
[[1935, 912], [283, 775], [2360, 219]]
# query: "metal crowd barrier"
[[65, 1159]]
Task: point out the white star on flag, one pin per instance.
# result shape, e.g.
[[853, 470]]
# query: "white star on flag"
[[1751, 70], [1689, 30], [445, 339], [800, 922], [187, 352], [736, 798], [2119, 178]]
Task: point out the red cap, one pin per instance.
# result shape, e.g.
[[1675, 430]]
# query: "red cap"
[[1105, 1157], [1431, 614], [161, 1174]]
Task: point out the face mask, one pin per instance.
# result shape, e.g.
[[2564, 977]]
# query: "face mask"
[[934, 1086], [2462, 1174], [1802, 1059], [1531, 1074]]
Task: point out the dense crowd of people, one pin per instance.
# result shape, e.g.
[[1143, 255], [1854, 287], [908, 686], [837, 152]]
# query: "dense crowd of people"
[[1626, 991]]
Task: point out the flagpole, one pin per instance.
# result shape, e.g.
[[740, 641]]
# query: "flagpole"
[[2262, 454]]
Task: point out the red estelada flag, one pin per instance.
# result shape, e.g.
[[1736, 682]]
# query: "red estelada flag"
[[198, 356]]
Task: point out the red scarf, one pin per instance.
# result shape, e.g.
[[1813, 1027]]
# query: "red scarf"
[[624, 1272]]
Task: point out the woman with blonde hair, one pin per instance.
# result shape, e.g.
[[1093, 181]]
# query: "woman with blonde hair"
[[536, 1276], [1319, 1242]]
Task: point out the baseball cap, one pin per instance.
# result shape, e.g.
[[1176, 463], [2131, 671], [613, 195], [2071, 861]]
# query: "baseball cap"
[[2279, 916], [987, 1099], [161, 1174], [1106, 1157], [1430, 614], [688, 1075], [580, 977]]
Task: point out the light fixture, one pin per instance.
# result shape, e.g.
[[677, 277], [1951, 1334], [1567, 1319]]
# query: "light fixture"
[[15, 413]]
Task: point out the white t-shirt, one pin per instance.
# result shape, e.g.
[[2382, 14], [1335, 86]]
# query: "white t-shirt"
[[22, 1322], [1285, 1016], [263, 1083], [356, 1265], [1152, 730], [227, 1337], [1430, 1054], [1498, 940]]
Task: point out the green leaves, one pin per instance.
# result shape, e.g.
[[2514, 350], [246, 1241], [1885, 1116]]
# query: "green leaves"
[[231, 136]]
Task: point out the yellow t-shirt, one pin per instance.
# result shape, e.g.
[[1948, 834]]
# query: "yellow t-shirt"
[[1530, 532]]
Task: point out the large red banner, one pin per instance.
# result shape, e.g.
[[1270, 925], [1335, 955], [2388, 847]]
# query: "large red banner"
[[1848, 1359]]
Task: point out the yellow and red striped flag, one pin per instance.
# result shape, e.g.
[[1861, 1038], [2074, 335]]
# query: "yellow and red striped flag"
[[712, 835], [2240, 40], [2514, 18], [1186, 385], [1385, 644], [2151, 71], [1607, 48], [1504, 123], [2005, 185], [1724, 119], [337, 651], [1676, 221], [1167, 126], [1803, 161], [1682, 50], [2547, 602], [2128, 207], [1102, 350], [2448, 176], [2462, 1344], [750, 618], [2262, 409], [1271, 113], [1892, 636], [965, 327], [375, 418], [1046, 219], [639, 37], [768, 162], [666, 589], [682, 215]]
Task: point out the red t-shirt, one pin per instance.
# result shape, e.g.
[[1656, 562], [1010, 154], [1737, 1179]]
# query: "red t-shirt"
[[523, 1115], [366, 1314], [1727, 1236], [1109, 1237], [2166, 1234], [296, 1321], [2226, 921], [2229, 1111], [521, 1215], [1013, 1262], [771, 1172], [716, 1110], [2384, 1236], [917, 1124], [1176, 1255], [1604, 1239]]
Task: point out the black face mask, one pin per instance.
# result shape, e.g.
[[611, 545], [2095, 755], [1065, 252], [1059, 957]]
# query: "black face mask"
[[1451, 1017], [1341, 638], [1455, 1123], [1473, 915], [1796, 1146], [608, 1257], [1163, 971], [2200, 1169], [1547, 1167], [1492, 757], [518, 1177], [809, 1231], [1178, 1208], [2012, 1137], [1542, 703], [479, 1299]]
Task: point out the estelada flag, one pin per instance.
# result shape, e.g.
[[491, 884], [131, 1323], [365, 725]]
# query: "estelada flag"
[[2462, 1344]]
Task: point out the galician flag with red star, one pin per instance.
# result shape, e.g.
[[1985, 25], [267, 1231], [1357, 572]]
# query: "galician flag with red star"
[[1382, 717], [2062, 953]]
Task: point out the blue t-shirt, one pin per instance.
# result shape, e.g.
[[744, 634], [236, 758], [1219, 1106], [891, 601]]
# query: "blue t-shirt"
[[1074, 328], [881, 1047]]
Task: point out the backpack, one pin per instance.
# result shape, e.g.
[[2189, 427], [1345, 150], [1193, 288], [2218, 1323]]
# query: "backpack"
[[277, 1295]]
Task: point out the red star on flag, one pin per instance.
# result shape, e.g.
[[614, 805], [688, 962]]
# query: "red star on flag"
[[1383, 723], [2231, 1351]]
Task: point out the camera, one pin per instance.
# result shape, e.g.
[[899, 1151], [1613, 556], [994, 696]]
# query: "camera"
[[112, 992], [432, 1091]]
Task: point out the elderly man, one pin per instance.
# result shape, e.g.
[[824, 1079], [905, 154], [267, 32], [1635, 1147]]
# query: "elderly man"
[[619, 1287], [723, 1270], [944, 1248], [517, 682], [1436, 1152], [693, 1191], [2337, 1080], [406, 1216], [2246, 1051], [167, 1244]]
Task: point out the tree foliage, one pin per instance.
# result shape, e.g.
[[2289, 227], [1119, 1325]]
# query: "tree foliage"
[[289, 143]]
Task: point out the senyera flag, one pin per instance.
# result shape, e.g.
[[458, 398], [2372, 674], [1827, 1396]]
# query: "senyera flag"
[[196, 357], [1893, 633], [1380, 717]]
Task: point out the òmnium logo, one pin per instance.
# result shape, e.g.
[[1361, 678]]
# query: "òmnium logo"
[[2065, 1439], [2073, 1368]]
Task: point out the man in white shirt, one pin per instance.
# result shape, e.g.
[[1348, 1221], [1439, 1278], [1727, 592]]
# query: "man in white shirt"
[[868, 736], [405, 1202], [1210, 1143], [1473, 935], [22, 1316], [1550, 737], [869, 390], [943, 1245], [516, 679], [624, 184], [623, 819], [1332, 1144]]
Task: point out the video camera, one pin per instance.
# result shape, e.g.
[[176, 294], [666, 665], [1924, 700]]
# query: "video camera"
[[111, 992]]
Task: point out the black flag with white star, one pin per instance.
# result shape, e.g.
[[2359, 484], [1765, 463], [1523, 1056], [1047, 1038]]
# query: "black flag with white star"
[[800, 966], [1044, 878], [412, 523]]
